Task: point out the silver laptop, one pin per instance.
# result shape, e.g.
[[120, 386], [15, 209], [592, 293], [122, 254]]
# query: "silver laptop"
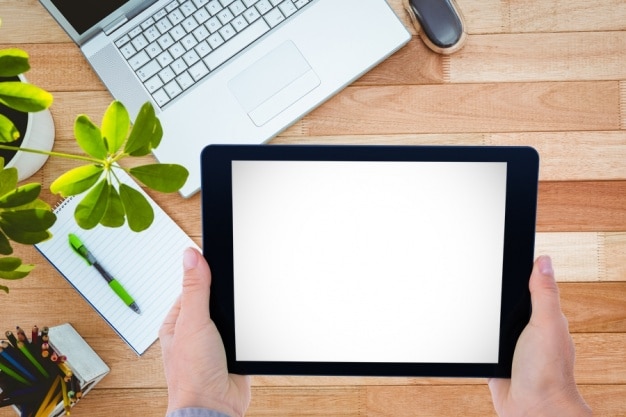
[[227, 71]]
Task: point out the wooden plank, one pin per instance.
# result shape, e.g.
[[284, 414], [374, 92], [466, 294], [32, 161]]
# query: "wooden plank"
[[587, 156], [622, 103], [539, 57], [582, 206], [28, 20], [585, 256], [468, 108], [566, 15], [295, 401], [603, 306]]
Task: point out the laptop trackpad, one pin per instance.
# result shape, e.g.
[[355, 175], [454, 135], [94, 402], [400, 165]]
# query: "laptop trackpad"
[[273, 83]]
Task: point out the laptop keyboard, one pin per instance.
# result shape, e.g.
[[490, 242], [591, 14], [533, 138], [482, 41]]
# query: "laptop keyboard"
[[188, 39]]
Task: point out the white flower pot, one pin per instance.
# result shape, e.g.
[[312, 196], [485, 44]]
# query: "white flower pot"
[[39, 135]]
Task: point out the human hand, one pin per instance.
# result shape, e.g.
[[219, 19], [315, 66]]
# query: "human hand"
[[542, 381], [193, 352]]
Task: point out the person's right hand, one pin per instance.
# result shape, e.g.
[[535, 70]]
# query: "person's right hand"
[[542, 380]]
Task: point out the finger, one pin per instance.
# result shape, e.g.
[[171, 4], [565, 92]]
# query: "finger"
[[169, 322], [544, 292], [196, 282], [499, 388]]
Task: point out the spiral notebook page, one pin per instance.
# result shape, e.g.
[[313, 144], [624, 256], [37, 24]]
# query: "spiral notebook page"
[[147, 264]]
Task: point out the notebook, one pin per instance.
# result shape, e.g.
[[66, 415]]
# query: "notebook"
[[227, 71], [147, 264]]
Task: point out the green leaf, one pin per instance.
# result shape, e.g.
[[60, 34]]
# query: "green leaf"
[[114, 214], [89, 137], [9, 263], [115, 125], [165, 178], [77, 180], [8, 131], [4, 287], [8, 180], [5, 245], [18, 273], [138, 210], [92, 207], [19, 235], [13, 61], [146, 131], [24, 97], [21, 195], [31, 220]]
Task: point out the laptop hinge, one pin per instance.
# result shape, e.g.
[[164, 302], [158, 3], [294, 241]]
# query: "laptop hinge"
[[119, 22]]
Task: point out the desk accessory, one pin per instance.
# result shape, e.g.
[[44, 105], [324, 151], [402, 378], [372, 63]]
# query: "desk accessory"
[[370, 260], [440, 22], [49, 374], [147, 264]]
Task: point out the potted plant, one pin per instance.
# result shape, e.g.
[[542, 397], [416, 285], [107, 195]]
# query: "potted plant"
[[25, 218]]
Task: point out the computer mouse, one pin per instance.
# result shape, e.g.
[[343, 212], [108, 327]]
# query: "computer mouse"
[[441, 21]]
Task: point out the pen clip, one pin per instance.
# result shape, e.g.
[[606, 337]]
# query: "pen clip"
[[76, 245]]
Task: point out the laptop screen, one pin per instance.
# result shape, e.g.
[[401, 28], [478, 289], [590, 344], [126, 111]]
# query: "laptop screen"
[[82, 15]]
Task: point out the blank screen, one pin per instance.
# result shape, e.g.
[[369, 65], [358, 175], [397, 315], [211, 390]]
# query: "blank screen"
[[368, 261]]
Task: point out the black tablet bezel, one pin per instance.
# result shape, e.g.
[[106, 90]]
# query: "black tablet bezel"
[[520, 217]]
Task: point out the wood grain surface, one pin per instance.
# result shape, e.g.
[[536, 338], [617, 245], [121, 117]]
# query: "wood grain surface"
[[544, 73]]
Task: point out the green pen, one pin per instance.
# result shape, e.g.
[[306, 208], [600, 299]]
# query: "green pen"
[[84, 253]]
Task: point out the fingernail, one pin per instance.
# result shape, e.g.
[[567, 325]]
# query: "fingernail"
[[190, 259], [545, 265]]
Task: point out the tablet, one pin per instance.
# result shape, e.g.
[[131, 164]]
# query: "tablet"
[[369, 260]]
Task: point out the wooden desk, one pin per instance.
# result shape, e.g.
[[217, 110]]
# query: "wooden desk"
[[546, 73]]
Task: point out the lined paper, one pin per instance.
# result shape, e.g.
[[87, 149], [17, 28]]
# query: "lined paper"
[[148, 264]]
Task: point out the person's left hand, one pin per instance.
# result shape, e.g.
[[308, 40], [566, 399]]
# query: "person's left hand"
[[193, 352]]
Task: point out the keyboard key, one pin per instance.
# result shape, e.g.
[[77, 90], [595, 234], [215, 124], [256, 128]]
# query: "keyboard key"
[[191, 57], [237, 8], [274, 17], [198, 70], [225, 3], [247, 36], [147, 23], [160, 15], [251, 14], [214, 7], [288, 8], [154, 84], [275, 2], [176, 17], [227, 32], [239, 23], [128, 50], [213, 24], [263, 6], [164, 25], [134, 31], [166, 75], [152, 33], [121, 41], [202, 15], [189, 41], [190, 24], [188, 8], [178, 66], [184, 80], [203, 49], [177, 32], [153, 50], [215, 40], [160, 97], [148, 70], [165, 41], [172, 89], [301, 3], [139, 42], [200, 3], [201, 33], [176, 50], [249, 3], [171, 6], [138, 60], [165, 59], [225, 16]]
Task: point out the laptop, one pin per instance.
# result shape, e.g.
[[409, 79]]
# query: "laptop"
[[227, 71]]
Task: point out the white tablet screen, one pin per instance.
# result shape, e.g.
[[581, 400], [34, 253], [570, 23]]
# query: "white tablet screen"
[[368, 261]]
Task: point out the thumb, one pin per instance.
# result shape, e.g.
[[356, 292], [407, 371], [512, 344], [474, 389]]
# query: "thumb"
[[544, 292], [196, 282]]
